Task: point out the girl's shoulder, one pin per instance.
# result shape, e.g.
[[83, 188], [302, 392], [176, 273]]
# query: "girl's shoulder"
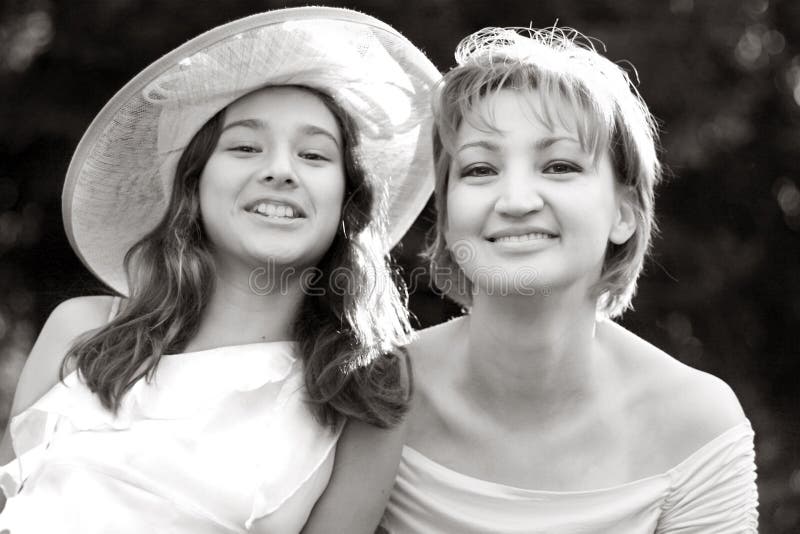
[[680, 407], [89, 311], [66, 323], [77, 316]]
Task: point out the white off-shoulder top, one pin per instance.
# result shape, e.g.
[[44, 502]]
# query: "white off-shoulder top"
[[220, 441], [711, 492]]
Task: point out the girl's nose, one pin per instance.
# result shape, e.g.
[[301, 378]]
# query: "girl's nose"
[[278, 169]]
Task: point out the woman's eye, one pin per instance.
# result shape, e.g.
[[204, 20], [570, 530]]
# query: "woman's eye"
[[562, 167], [477, 171], [314, 156]]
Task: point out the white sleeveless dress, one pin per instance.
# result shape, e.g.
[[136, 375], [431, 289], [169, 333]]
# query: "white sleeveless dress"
[[713, 491], [220, 441]]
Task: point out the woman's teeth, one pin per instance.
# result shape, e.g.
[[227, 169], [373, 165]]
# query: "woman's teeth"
[[275, 210]]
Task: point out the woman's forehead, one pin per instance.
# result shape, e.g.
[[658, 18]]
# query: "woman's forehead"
[[552, 113]]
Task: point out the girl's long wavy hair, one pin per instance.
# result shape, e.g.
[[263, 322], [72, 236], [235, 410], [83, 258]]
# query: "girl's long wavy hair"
[[352, 321]]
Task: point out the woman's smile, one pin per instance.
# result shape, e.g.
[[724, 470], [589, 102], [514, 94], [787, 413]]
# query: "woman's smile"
[[524, 188], [522, 239]]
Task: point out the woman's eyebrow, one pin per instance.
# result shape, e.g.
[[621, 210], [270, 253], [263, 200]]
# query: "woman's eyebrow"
[[488, 145], [547, 142]]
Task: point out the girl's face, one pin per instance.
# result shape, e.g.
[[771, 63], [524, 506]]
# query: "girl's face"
[[271, 193], [529, 210]]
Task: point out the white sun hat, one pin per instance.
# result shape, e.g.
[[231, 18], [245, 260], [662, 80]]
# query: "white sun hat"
[[119, 181]]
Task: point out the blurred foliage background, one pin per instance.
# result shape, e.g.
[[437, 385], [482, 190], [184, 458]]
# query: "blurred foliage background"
[[722, 292]]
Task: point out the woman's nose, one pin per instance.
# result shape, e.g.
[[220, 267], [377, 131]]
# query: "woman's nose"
[[519, 195]]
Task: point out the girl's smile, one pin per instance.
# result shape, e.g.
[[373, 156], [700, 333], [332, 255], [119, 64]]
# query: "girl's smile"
[[272, 191]]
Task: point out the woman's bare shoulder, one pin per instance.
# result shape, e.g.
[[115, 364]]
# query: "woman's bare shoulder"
[[434, 354], [432, 343], [67, 322], [684, 406]]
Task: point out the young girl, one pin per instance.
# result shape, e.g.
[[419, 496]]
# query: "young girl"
[[237, 192], [535, 412]]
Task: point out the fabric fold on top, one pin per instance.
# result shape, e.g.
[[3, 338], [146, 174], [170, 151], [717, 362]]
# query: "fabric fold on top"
[[217, 440], [712, 491]]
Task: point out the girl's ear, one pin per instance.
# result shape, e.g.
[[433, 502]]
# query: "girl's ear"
[[625, 223]]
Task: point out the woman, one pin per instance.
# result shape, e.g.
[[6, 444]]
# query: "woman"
[[223, 191], [534, 412]]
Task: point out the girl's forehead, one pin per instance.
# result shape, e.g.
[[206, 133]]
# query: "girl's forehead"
[[286, 98]]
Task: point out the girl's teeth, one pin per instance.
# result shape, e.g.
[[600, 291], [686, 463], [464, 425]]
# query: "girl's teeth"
[[271, 210], [526, 237]]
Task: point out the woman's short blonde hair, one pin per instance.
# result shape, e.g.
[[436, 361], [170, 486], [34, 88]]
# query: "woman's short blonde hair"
[[562, 65]]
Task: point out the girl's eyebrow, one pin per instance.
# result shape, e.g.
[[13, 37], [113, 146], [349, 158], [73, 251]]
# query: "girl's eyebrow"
[[258, 124], [253, 124], [311, 129]]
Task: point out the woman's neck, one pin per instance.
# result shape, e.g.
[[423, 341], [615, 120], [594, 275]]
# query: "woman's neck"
[[536, 353]]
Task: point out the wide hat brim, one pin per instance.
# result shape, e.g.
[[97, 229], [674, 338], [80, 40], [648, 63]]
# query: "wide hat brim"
[[120, 178]]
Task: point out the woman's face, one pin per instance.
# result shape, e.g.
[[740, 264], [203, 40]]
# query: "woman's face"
[[528, 209], [271, 193]]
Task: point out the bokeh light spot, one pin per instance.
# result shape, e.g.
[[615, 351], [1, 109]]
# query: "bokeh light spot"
[[755, 8], [774, 42], [788, 197], [792, 75], [749, 50], [794, 482], [29, 37], [679, 326]]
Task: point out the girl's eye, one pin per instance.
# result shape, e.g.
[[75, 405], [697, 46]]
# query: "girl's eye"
[[478, 171], [562, 167], [247, 149]]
